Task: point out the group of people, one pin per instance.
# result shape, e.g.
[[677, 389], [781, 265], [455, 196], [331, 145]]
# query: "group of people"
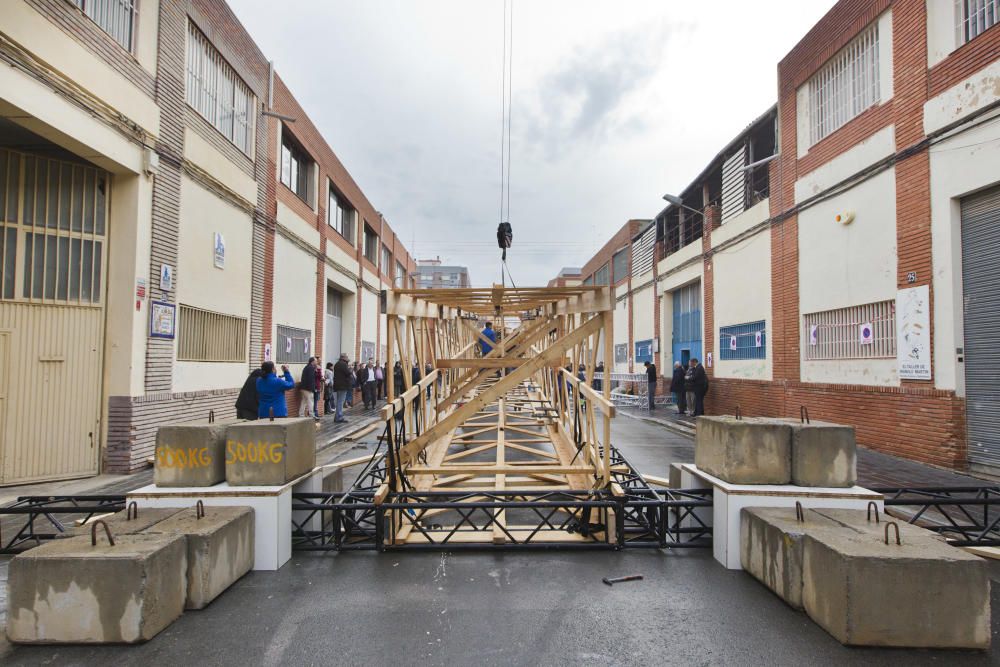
[[263, 392], [689, 386]]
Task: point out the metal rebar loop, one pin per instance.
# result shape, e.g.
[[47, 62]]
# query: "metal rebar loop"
[[872, 505], [199, 510], [896, 527], [129, 514], [93, 533]]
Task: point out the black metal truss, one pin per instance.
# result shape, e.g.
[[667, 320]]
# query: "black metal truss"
[[44, 517], [967, 515]]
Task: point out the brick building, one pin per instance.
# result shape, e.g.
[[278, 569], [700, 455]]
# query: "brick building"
[[842, 252], [169, 216], [432, 274], [568, 276]]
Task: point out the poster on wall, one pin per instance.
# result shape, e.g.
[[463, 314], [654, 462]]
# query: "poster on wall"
[[813, 334], [913, 333], [708, 360], [166, 277], [866, 333], [220, 251], [267, 352], [161, 320]]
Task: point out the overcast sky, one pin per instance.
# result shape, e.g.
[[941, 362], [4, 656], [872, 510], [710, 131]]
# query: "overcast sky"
[[614, 104]]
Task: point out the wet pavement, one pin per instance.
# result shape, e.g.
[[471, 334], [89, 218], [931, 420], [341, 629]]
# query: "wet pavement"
[[500, 608]]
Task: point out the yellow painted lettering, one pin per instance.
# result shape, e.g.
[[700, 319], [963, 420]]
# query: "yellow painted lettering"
[[276, 453], [204, 459], [251, 453], [230, 453], [241, 452]]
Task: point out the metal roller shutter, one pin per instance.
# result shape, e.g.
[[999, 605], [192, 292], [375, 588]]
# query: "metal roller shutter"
[[981, 285]]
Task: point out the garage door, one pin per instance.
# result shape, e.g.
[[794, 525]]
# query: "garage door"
[[53, 253], [981, 287]]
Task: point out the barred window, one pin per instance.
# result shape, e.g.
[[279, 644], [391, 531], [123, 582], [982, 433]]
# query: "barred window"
[[975, 17], [601, 276], [204, 335], [216, 92], [294, 346], [619, 265], [621, 353], [846, 86], [857, 332], [115, 17], [743, 341]]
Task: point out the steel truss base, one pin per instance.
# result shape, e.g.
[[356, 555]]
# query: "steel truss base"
[[640, 516], [44, 517]]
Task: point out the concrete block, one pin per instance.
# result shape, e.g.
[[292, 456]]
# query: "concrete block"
[[127, 522], [269, 453], [823, 454], [190, 454], [675, 476], [744, 451], [220, 548], [922, 593], [67, 591], [771, 547]]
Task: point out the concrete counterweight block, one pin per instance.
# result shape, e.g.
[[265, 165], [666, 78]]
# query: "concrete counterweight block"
[[823, 454], [68, 591], [219, 548], [269, 453], [922, 593], [129, 521], [190, 454], [744, 451], [771, 547]]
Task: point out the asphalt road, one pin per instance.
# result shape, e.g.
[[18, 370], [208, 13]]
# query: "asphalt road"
[[494, 608]]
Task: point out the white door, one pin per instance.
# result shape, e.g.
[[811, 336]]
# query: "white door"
[[331, 332]]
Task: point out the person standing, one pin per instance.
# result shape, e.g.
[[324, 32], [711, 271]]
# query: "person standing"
[[368, 384], [700, 382], [599, 381], [379, 381], [487, 332], [318, 391], [329, 395], [247, 402], [271, 391], [689, 386], [651, 383], [397, 380], [677, 388], [341, 386], [307, 387]]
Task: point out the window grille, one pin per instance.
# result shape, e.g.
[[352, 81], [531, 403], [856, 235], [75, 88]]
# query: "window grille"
[[53, 217], [975, 17], [216, 92], [340, 216], [294, 346], [115, 17], [734, 184], [619, 265], [845, 86], [642, 252], [840, 334], [203, 335], [743, 341]]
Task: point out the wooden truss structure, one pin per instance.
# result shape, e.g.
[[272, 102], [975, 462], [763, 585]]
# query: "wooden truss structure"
[[522, 419]]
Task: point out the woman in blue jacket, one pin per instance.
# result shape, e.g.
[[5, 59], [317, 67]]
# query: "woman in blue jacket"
[[271, 391]]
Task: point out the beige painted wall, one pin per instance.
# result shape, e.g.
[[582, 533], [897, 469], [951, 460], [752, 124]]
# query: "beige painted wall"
[[620, 333], [741, 289], [642, 314], [210, 159], [294, 290]]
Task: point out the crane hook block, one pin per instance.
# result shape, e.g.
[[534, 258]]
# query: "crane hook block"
[[504, 235]]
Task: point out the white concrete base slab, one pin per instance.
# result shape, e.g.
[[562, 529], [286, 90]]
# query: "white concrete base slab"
[[272, 506], [728, 499]]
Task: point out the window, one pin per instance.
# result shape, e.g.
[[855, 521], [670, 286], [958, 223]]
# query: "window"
[[644, 351], [743, 341], [621, 353], [588, 281], [294, 346], [115, 17], [295, 168], [203, 335], [400, 275], [619, 265], [601, 276], [975, 17], [386, 260], [371, 245], [857, 332], [216, 92], [53, 217], [340, 215], [844, 87]]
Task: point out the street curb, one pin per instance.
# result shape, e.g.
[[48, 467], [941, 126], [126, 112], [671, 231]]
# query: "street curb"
[[360, 426], [665, 424]]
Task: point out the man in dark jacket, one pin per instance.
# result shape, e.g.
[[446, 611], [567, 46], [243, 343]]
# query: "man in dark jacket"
[[247, 401], [651, 382], [598, 382], [307, 390], [677, 388], [342, 385], [699, 381]]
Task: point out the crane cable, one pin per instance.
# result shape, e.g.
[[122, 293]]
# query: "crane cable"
[[504, 235]]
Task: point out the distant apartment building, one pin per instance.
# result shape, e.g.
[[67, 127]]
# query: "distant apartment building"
[[169, 218], [568, 276], [432, 274], [842, 252]]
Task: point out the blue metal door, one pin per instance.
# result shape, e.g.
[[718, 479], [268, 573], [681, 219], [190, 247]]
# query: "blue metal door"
[[687, 323]]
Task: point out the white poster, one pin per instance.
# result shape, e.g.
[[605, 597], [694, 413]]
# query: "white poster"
[[913, 333], [166, 277], [732, 343], [267, 352], [813, 334], [866, 333], [757, 339], [220, 251]]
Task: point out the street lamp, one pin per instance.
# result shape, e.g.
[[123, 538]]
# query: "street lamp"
[[677, 201]]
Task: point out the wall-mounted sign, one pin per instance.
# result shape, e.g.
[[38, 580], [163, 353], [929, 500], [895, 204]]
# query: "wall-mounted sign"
[[267, 352], [708, 360], [913, 333], [162, 320], [732, 343], [813, 334], [757, 339], [166, 277], [220, 251], [866, 333]]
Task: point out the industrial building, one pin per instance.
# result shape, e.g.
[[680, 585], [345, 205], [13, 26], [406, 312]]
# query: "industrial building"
[[432, 274]]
